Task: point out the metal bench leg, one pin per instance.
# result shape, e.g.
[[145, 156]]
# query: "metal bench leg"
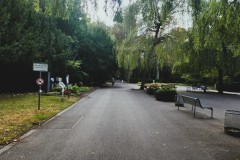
[[211, 113], [194, 111]]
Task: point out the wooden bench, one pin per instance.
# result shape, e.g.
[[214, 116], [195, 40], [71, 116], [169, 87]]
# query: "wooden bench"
[[195, 102]]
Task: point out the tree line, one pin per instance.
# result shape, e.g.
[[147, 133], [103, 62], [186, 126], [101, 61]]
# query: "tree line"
[[58, 33], [146, 44]]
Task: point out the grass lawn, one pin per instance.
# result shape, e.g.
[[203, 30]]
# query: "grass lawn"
[[19, 112]]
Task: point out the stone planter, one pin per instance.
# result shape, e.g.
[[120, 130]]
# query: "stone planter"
[[165, 95]]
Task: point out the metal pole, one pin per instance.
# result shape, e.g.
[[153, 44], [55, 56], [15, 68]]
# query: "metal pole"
[[67, 91], [194, 109], [67, 82], [49, 82], [39, 93]]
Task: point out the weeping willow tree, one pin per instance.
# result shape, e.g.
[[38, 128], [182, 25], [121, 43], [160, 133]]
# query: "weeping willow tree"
[[151, 20], [127, 48], [127, 54], [216, 35], [171, 53], [132, 52]]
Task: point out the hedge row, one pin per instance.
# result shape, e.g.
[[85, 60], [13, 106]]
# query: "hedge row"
[[166, 95]]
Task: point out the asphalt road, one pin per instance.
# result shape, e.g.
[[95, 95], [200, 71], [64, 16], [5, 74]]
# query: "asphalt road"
[[121, 123]]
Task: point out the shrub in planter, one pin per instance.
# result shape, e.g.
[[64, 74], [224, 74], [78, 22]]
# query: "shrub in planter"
[[166, 95], [151, 90]]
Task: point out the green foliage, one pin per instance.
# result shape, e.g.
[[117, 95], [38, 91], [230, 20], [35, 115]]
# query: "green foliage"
[[170, 51], [151, 90], [118, 17], [145, 23], [74, 89], [57, 33], [78, 90], [100, 59], [216, 38]]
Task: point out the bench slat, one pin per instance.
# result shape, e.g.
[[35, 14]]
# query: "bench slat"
[[195, 102]]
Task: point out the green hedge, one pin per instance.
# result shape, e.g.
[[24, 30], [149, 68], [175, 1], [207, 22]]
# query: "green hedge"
[[231, 86], [151, 90], [166, 95]]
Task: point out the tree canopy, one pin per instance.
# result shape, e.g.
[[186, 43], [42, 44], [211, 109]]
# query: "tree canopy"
[[57, 33], [144, 41], [208, 51]]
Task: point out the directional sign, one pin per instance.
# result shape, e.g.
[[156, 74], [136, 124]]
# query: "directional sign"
[[40, 81], [61, 84], [41, 67]]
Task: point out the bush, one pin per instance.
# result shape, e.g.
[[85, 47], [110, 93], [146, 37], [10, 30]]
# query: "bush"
[[72, 89], [57, 89], [151, 90], [230, 86], [166, 95]]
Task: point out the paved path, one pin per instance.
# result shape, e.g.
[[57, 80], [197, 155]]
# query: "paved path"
[[120, 123]]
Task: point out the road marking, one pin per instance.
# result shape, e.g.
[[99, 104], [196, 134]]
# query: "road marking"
[[77, 122], [65, 110]]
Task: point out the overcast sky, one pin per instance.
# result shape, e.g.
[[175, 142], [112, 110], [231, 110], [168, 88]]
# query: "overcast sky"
[[95, 15], [100, 14]]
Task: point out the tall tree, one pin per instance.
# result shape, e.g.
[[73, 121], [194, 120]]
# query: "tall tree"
[[153, 18], [213, 31]]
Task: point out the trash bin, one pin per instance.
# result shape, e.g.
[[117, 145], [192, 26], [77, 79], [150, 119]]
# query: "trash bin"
[[179, 101], [232, 121]]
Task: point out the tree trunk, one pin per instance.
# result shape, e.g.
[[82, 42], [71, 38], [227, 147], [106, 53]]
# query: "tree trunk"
[[128, 75], [157, 74], [220, 81], [220, 69], [143, 79]]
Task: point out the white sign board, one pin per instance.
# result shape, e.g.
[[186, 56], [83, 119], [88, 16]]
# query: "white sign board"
[[61, 84], [41, 67]]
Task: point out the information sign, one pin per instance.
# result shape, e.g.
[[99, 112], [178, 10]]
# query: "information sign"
[[41, 67]]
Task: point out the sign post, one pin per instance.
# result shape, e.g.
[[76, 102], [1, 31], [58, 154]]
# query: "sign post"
[[41, 67], [39, 82], [67, 82]]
